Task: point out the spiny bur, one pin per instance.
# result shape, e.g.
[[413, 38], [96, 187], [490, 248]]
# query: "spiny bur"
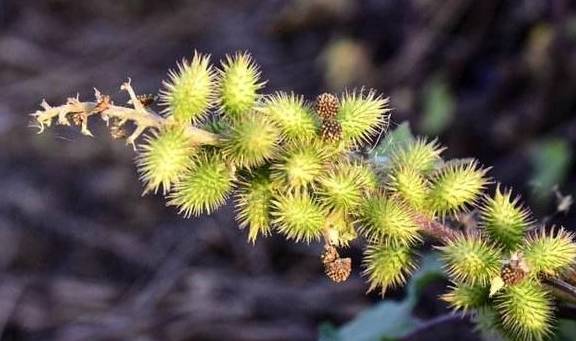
[[250, 141], [164, 157], [344, 185], [387, 220], [526, 310], [504, 219], [253, 202], [203, 187], [362, 114], [300, 165], [471, 259], [549, 251], [420, 155], [191, 90], [387, 266], [291, 114], [238, 84], [298, 216], [465, 297], [456, 186]]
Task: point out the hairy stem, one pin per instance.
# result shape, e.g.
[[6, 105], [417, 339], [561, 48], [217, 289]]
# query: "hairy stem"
[[436, 230]]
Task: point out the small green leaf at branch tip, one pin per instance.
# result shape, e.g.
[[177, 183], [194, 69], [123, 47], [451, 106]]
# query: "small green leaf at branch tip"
[[239, 83], [191, 90]]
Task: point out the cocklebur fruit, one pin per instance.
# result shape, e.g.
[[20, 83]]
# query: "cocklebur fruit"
[[456, 186], [238, 85], [387, 266], [471, 259], [387, 220], [525, 311], [291, 114], [250, 141], [549, 252], [504, 219], [204, 187], [420, 155], [253, 202], [344, 185], [361, 115], [299, 164], [464, 297], [163, 158], [298, 216], [190, 91], [409, 185]]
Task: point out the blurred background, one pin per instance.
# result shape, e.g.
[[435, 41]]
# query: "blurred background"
[[84, 257]]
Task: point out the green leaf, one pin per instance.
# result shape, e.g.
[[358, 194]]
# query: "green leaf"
[[565, 331], [395, 139], [438, 106], [389, 319], [551, 161]]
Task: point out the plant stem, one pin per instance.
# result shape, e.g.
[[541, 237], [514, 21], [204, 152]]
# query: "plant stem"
[[143, 118], [437, 230]]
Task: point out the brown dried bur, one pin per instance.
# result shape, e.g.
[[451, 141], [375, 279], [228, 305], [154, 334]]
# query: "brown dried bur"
[[326, 106], [331, 131], [146, 100], [336, 268], [514, 270]]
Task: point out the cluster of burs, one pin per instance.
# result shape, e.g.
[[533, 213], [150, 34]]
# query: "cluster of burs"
[[295, 168]]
